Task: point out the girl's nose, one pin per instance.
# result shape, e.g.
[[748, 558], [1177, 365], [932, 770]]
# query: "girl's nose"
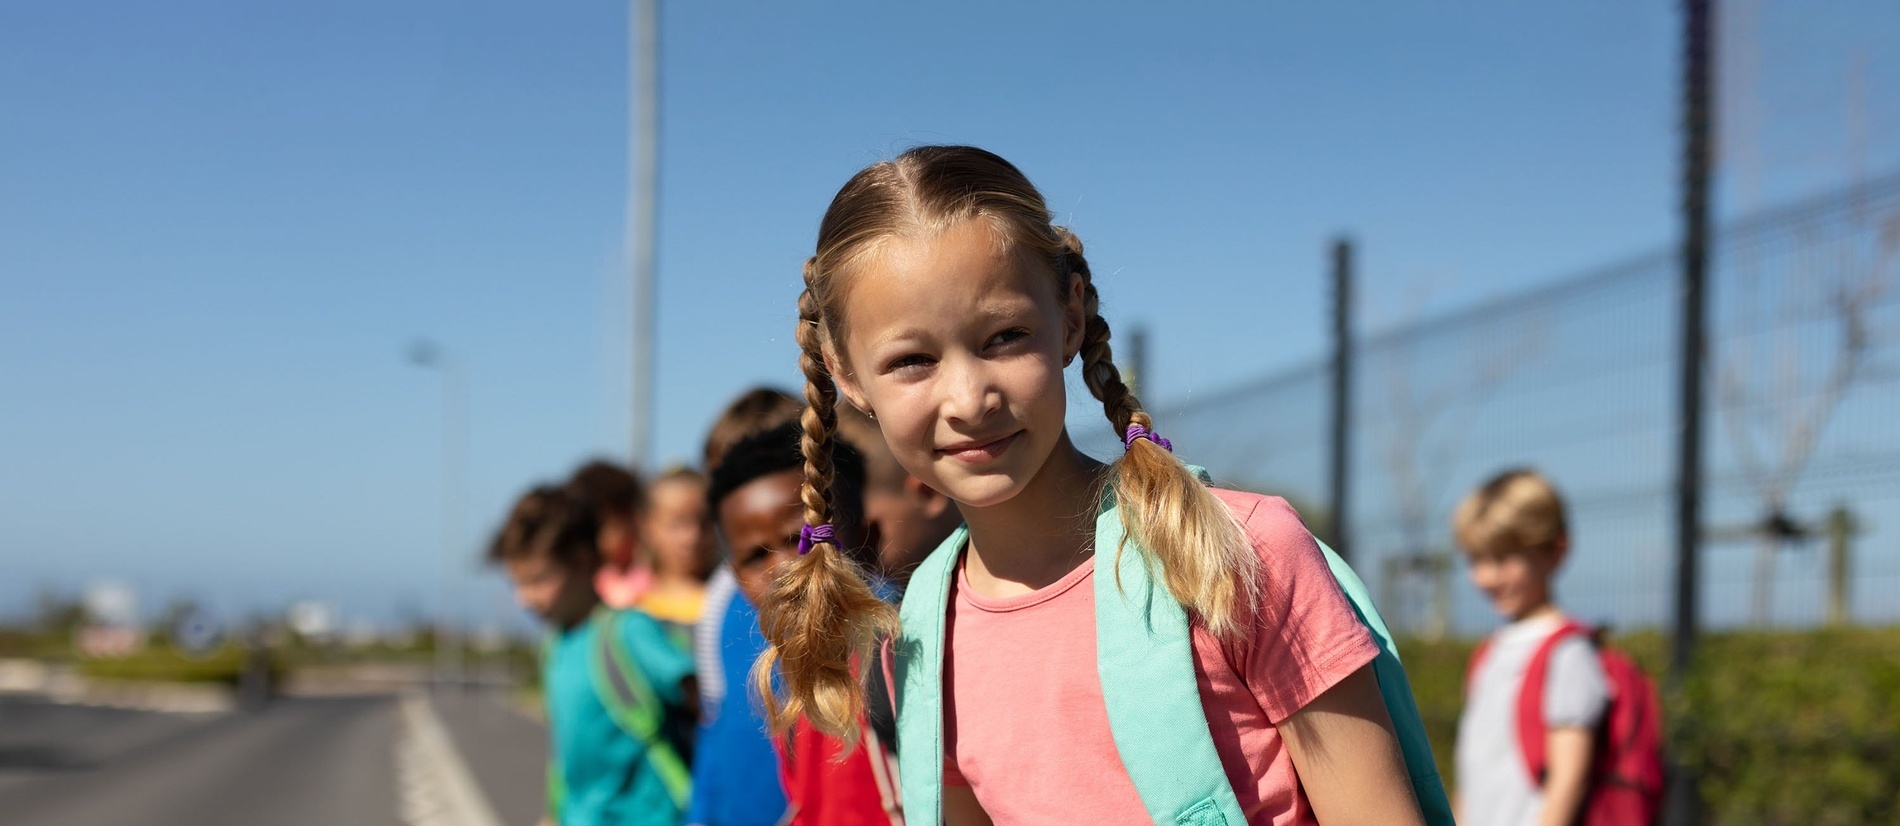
[[969, 394]]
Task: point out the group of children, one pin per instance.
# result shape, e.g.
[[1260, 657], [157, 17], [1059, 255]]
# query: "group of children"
[[911, 599], [650, 594]]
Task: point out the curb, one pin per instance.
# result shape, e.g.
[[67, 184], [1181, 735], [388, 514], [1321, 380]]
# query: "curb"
[[63, 685]]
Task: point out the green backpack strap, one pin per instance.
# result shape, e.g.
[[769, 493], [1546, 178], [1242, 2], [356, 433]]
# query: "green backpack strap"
[[557, 777], [1145, 654], [557, 791], [633, 705], [1399, 702], [919, 655]]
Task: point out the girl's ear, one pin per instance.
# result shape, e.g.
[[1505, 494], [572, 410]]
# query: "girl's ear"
[[847, 384], [1074, 318]]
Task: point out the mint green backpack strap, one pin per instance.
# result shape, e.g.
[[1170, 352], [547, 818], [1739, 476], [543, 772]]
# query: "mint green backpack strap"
[[919, 653], [633, 705], [557, 776], [1145, 654], [1399, 703]]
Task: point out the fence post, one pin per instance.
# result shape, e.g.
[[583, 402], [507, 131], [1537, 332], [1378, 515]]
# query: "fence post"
[[1698, 42], [1840, 534], [1340, 457]]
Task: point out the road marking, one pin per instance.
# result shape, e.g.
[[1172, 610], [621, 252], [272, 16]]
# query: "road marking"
[[437, 788], [418, 805]]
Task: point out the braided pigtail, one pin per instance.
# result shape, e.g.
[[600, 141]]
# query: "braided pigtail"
[[1192, 538], [819, 616]]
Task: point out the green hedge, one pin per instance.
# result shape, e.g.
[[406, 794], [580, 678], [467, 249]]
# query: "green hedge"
[[1782, 728], [163, 664]]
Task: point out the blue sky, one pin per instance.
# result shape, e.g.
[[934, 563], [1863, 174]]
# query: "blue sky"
[[221, 223]]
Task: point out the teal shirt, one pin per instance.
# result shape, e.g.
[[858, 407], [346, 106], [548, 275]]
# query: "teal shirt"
[[603, 772]]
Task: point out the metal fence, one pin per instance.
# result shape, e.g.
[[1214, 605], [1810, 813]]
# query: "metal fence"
[[1802, 480]]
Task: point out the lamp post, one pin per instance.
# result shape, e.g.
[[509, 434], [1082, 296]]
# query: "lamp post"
[[643, 176], [426, 354]]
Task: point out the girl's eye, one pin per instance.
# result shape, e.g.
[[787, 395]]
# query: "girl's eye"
[[907, 364], [1009, 336]]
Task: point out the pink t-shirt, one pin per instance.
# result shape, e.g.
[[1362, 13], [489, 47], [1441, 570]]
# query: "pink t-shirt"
[[1036, 746]]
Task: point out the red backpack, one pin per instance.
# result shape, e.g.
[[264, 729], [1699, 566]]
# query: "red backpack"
[[1626, 772]]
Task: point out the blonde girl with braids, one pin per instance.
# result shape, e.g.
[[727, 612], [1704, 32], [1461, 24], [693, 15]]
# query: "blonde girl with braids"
[[945, 304]]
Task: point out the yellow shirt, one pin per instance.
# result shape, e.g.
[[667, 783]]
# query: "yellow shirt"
[[682, 608]]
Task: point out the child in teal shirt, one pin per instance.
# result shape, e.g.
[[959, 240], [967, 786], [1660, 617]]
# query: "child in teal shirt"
[[619, 693]]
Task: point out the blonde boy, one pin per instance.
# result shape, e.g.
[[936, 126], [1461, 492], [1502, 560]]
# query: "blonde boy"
[[1515, 536]]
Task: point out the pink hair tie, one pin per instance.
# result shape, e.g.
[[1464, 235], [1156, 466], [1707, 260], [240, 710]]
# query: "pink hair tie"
[[1136, 431], [811, 535]]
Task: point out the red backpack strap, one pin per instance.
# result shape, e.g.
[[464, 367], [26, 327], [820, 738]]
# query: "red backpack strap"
[[1531, 738]]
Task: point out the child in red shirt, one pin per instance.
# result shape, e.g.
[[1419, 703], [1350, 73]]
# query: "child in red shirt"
[[754, 495]]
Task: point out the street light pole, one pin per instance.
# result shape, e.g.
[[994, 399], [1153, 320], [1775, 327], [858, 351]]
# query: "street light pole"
[[448, 648], [643, 139]]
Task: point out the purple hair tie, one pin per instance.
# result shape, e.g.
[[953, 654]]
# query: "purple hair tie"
[[1136, 431], [812, 535]]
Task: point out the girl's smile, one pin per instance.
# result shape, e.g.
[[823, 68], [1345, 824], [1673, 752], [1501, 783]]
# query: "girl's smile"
[[978, 451]]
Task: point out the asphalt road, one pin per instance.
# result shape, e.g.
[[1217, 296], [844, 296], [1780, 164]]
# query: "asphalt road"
[[506, 753], [296, 762]]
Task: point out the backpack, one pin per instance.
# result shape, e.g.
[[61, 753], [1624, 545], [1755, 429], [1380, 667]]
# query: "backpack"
[[1145, 657], [1626, 766], [624, 691]]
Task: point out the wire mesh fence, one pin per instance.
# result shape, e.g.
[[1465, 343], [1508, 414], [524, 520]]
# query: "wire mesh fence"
[[1579, 380]]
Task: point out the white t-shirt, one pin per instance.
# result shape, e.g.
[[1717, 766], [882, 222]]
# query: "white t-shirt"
[[712, 618], [1494, 785]]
